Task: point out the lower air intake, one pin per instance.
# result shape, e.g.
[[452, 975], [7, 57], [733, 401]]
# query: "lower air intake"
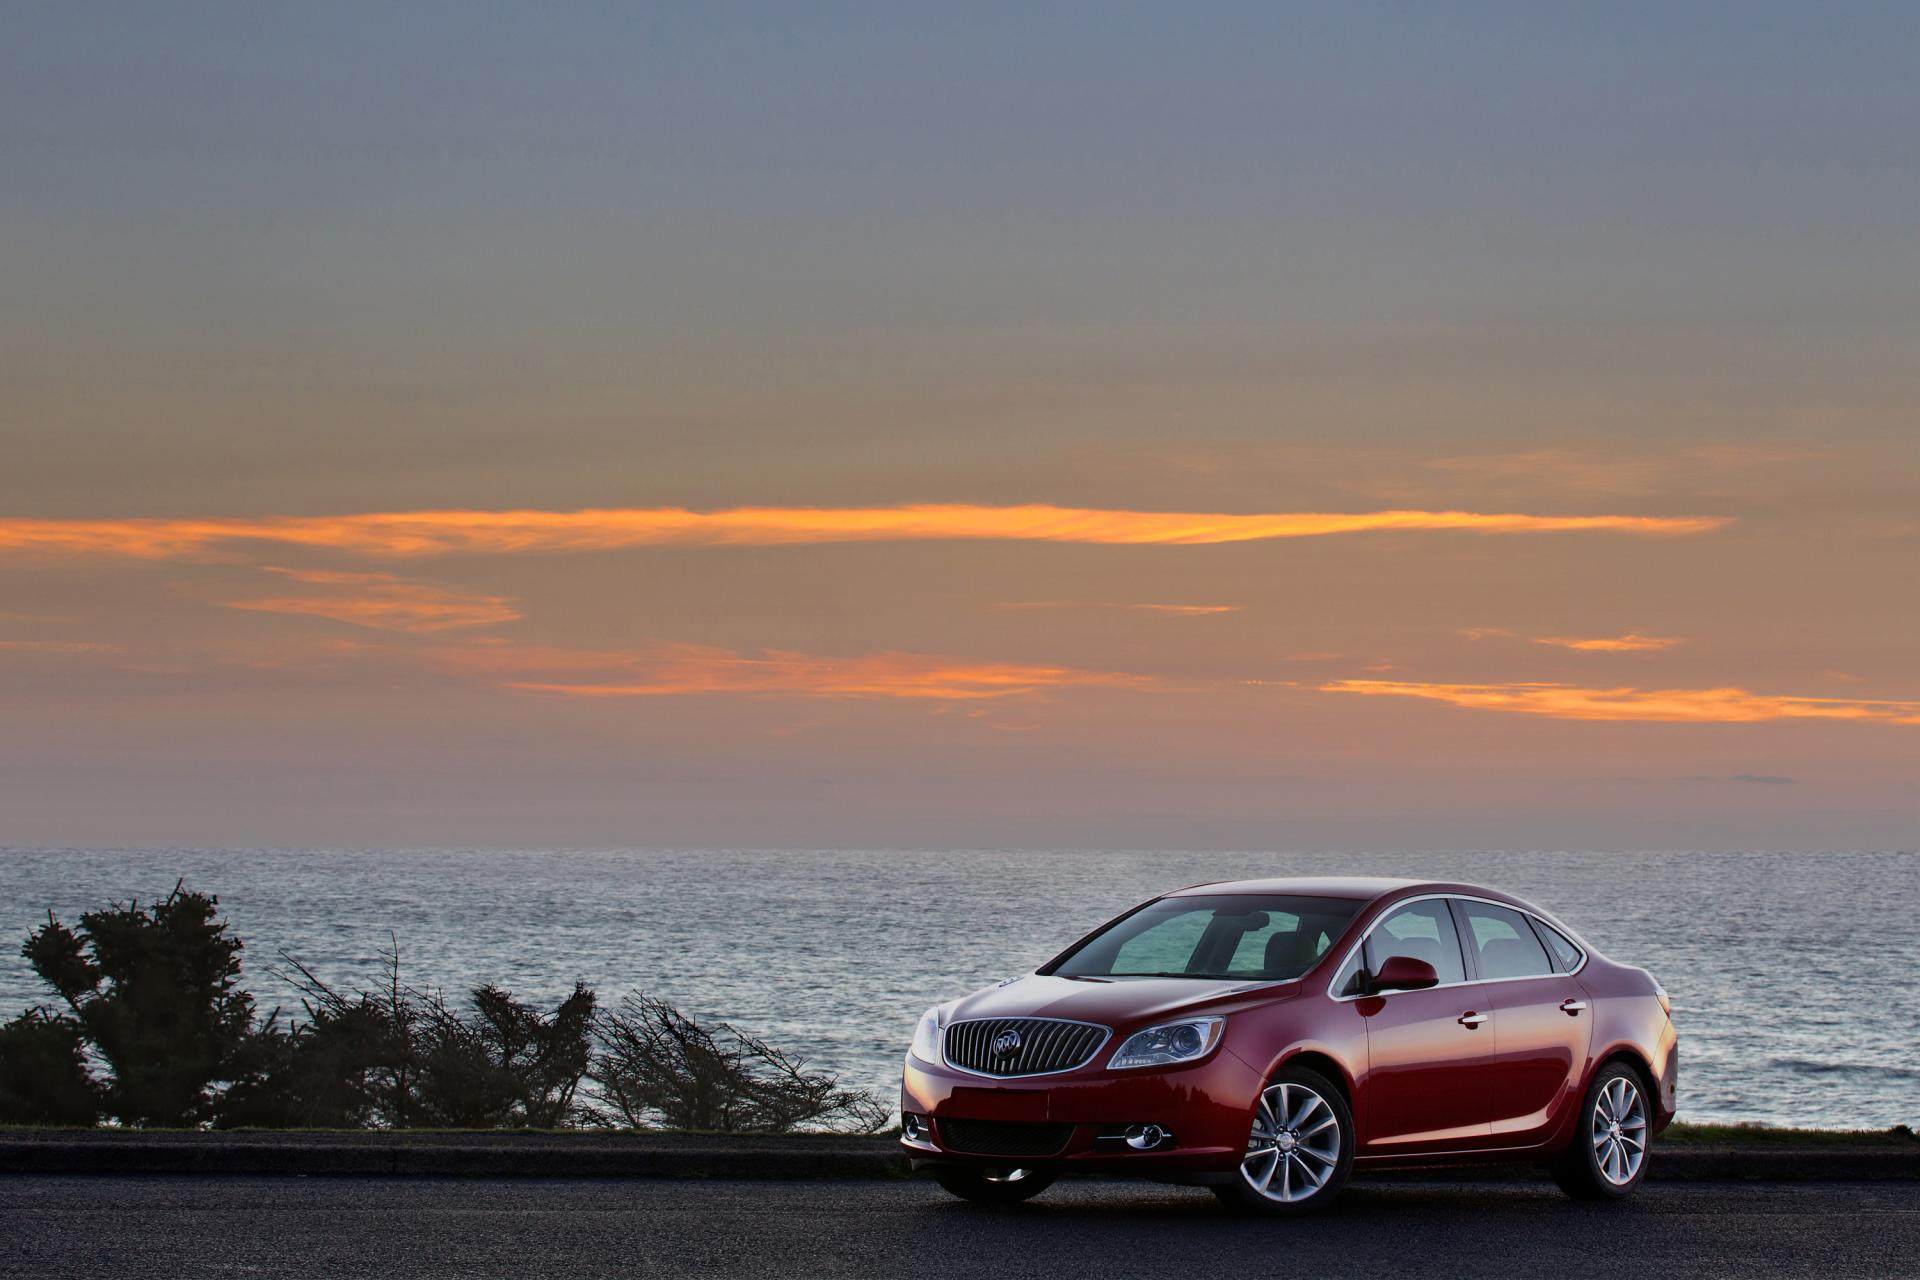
[[1003, 1138]]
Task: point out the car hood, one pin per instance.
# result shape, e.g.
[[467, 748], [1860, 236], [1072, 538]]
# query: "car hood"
[[1112, 1002]]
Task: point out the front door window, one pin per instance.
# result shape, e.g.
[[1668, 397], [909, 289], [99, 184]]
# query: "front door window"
[[1424, 931]]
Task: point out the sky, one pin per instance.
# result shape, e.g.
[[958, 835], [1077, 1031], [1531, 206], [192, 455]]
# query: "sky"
[[1343, 426]]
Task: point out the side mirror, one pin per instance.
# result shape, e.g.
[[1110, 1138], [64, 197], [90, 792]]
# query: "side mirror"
[[1404, 973]]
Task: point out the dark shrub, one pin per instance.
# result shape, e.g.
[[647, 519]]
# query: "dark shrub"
[[506, 1066], [154, 989], [154, 992], [322, 1074], [43, 1072], [349, 1065], [656, 1066], [403, 1058]]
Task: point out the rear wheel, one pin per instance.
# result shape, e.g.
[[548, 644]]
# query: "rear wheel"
[[994, 1186], [1608, 1156], [1299, 1147]]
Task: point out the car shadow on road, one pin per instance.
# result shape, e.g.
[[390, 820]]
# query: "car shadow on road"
[[1381, 1202]]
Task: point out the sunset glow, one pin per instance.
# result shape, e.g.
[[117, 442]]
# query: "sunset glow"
[[1170, 610], [406, 534], [1700, 706], [381, 600], [56, 646], [1394, 429], [694, 669], [1612, 644]]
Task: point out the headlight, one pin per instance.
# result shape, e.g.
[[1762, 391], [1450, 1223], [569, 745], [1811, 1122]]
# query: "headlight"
[[1169, 1044], [926, 1037]]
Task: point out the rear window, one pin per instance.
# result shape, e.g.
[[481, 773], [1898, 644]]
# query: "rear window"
[[1565, 953], [1261, 937]]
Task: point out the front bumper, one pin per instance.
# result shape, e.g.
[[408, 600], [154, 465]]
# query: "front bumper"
[[1207, 1109]]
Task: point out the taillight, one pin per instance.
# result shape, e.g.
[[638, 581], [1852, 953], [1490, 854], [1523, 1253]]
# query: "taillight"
[[1660, 994]]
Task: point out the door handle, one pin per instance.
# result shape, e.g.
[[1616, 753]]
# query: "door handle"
[[1572, 1007], [1471, 1020]]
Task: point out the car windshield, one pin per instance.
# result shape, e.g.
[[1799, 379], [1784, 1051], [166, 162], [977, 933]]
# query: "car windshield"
[[1262, 937]]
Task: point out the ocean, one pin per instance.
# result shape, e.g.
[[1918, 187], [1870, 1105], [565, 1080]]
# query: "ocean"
[[1793, 974]]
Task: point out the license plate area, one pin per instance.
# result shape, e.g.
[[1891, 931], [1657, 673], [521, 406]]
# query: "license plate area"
[[996, 1104]]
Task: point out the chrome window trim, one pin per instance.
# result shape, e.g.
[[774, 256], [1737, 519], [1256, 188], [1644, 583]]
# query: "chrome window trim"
[[1471, 982], [1106, 1034]]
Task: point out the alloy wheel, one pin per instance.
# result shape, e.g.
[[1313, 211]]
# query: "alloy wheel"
[[1295, 1144], [1619, 1131]]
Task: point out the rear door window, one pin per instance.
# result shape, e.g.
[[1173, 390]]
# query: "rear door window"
[[1503, 943]]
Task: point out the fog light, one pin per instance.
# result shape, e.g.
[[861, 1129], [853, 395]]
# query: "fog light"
[[914, 1127], [1145, 1137]]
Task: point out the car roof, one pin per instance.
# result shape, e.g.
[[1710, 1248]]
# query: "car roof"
[[1368, 888]]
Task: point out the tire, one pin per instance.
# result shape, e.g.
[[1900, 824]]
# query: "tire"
[[994, 1186], [1607, 1159], [1300, 1146]]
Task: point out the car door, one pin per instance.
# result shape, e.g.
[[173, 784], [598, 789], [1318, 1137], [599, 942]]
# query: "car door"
[[1541, 1023], [1425, 1049]]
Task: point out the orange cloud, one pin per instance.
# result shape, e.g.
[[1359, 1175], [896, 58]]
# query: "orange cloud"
[[1629, 643], [1172, 610], [695, 669], [429, 533], [56, 646], [382, 600], [1703, 706]]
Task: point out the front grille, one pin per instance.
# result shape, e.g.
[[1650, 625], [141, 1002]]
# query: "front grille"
[[1000, 1138], [1022, 1046]]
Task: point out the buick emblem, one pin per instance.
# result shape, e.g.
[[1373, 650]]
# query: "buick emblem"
[[1006, 1042]]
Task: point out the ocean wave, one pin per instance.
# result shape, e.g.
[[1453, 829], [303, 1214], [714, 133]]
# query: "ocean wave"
[[1813, 1067]]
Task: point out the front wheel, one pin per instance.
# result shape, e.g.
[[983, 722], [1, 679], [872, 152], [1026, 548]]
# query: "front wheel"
[[1608, 1156], [994, 1186], [1299, 1147]]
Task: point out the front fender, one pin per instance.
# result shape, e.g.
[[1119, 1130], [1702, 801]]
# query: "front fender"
[[1330, 1036]]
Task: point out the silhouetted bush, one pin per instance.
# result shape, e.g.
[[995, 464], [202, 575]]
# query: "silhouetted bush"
[[351, 1064], [404, 1058], [656, 1066], [43, 1072], [154, 990], [316, 1075], [507, 1066]]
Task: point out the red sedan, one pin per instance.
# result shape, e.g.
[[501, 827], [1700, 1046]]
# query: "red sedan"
[[1266, 1037]]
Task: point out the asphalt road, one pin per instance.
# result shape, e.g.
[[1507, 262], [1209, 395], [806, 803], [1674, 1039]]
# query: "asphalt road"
[[397, 1228]]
